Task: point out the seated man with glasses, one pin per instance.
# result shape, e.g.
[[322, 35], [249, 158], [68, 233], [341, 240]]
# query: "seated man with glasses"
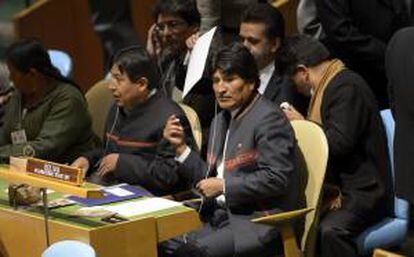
[[175, 22], [134, 151]]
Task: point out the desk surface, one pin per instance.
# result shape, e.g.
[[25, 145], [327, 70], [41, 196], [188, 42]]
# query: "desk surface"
[[65, 214], [63, 225]]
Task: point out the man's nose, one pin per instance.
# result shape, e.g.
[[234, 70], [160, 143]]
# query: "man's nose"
[[246, 44], [112, 85], [221, 87]]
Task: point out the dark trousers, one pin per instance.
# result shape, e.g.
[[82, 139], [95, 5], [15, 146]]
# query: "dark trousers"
[[338, 230], [221, 238]]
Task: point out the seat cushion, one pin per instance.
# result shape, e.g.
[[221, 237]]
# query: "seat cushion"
[[390, 232]]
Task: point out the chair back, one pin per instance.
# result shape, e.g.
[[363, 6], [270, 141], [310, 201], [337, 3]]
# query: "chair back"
[[313, 147], [401, 206], [390, 231], [194, 123], [382, 253], [99, 100], [69, 248], [62, 61]]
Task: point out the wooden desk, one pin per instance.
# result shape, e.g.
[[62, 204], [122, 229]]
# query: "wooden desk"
[[22, 232]]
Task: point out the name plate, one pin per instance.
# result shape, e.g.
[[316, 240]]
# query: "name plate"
[[55, 171]]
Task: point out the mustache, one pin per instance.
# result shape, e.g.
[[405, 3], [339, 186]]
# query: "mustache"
[[223, 95]]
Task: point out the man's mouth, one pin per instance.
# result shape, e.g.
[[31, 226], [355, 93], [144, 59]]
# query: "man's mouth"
[[224, 98]]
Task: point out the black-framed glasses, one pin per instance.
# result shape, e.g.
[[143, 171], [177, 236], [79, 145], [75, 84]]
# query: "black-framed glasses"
[[173, 25]]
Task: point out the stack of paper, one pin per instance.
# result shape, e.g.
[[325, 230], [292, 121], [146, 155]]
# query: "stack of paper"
[[139, 207]]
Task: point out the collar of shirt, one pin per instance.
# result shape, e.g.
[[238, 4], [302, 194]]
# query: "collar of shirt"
[[234, 112], [265, 76]]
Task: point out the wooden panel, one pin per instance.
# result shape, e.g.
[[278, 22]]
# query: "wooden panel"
[[288, 9], [66, 25], [169, 226], [24, 235], [141, 15], [130, 239]]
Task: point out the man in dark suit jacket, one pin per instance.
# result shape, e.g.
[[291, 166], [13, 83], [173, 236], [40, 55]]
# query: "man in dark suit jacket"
[[250, 168], [134, 151], [357, 32], [400, 72], [262, 30], [345, 107]]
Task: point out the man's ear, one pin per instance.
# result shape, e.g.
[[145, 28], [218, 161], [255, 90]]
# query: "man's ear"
[[252, 86], [301, 69], [143, 83], [34, 72], [275, 45]]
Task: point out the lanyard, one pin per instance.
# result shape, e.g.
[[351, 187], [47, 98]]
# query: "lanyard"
[[22, 114]]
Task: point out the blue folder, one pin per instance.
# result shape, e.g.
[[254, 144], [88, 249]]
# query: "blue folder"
[[111, 198]]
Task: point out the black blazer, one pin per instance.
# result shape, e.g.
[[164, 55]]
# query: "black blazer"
[[358, 31], [358, 160], [400, 63]]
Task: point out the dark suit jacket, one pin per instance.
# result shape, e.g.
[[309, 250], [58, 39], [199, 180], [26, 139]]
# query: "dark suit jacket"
[[145, 158], [358, 161], [259, 169], [281, 89], [399, 64], [260, 160], [357, 32]]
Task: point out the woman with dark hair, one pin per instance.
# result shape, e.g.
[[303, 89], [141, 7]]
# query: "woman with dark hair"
[[47, 116]]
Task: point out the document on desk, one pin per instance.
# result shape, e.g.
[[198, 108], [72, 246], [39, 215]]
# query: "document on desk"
[[140, 207]]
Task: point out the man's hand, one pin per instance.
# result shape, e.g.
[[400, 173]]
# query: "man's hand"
[[292, 114], [174, 133], [153, 41], [82, 163], [211, 187], [191, 41], [108, 164], [4, 98]]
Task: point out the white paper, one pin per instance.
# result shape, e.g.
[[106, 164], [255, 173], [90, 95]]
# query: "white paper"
[[198, 59], [140, 207], [120, 192]]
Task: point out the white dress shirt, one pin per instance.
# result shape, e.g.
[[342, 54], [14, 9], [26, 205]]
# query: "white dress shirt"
[[265, 75]]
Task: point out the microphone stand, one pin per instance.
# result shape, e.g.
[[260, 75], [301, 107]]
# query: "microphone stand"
[[43, 190]]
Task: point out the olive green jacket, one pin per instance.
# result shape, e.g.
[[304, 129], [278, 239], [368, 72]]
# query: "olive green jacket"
[[58, 128]]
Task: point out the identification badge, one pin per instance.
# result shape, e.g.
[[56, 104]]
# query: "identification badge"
[[18, 137]]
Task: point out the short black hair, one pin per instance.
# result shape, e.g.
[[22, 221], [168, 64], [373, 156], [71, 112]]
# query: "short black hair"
[[236, 59], [299, 50], [28, 54], [136, 63], [185, 9], [268, 15]]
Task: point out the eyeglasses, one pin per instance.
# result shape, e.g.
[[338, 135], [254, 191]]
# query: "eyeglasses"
[[173, 25]]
